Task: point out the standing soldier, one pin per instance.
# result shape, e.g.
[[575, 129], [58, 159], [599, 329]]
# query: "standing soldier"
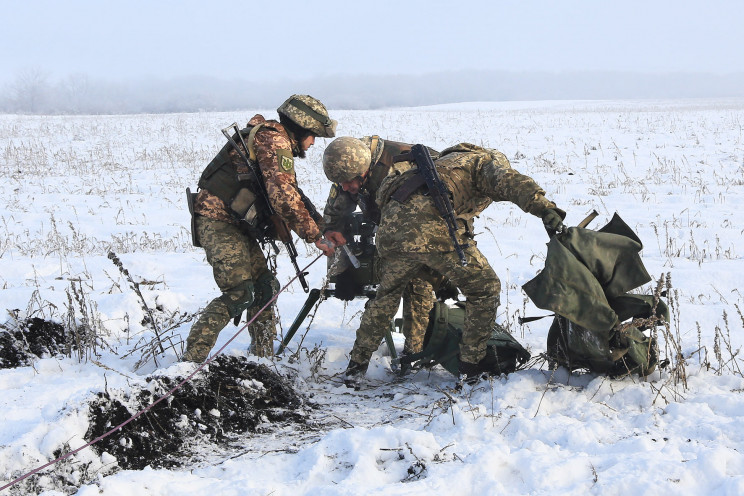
[[357, 168], [231, 218], [413, 234]]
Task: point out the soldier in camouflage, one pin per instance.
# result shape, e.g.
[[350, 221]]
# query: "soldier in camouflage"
[[232, 248], [357, 167], [412, 235]]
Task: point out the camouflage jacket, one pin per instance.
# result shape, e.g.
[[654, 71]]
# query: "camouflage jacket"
[[341, 204], [476, 177], [275, 149]]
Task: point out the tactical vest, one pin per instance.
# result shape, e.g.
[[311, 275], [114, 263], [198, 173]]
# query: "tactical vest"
[[465, 206], [244, 194]]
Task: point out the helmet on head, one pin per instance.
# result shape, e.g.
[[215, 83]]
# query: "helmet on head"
[[346, 158], [308, 113]]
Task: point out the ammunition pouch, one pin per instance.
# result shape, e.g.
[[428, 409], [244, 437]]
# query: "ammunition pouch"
[[240, 192]]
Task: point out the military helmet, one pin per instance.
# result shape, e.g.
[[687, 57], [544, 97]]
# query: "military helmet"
[[346, 158], [308, 113]]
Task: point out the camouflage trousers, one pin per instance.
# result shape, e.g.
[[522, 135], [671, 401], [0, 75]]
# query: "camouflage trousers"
[[235, 258], [418, 300], [477, 281]]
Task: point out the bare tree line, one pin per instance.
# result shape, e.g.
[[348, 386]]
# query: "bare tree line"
[[33, 91]]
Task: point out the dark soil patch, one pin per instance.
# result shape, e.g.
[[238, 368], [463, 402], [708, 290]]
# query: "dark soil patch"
[[33, 338], [229, 398]]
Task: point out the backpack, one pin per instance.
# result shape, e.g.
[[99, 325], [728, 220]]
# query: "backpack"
[[586, 282], [624, 350], [442, 344]]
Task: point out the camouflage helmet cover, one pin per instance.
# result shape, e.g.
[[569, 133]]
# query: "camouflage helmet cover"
[[308, 113], [346, 158]]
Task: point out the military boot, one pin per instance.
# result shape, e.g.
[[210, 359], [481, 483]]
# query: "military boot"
[[469, 373], [354, 374]]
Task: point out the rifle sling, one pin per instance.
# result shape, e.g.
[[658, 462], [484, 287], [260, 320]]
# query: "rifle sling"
[[406, 189], [251, 138]]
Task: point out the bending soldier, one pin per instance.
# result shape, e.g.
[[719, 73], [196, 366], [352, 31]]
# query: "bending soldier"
[[231, 238], [412, 235], [357, 167]]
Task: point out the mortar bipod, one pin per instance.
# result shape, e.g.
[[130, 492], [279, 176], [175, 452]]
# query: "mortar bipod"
[[312, 298]]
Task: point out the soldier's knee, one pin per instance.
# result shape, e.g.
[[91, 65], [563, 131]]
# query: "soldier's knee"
[[239, 298]]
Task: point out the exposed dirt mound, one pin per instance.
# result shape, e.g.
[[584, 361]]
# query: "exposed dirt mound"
[[31, 339], [229, 398]]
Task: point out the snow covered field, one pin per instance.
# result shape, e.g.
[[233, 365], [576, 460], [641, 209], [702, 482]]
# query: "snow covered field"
[[74, 188]]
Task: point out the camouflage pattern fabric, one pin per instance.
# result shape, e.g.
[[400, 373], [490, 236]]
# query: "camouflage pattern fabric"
[[341, 204], [309, 113], [234, 257], [476, 177], [275, 149], [477, 281], [346, 158], [418, 300], [418, 297], [412, 235]]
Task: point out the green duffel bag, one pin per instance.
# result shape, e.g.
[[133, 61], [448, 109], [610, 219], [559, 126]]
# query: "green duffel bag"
[[623, 350], [442, 345], [585, 281]]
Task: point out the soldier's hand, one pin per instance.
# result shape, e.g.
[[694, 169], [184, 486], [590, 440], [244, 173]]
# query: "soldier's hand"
[[553, 220], [325, 246], [335, 237]]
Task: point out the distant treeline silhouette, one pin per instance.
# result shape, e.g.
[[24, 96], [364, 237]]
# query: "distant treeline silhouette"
[[33, 92]]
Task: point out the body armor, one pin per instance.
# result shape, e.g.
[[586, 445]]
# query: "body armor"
[[243, 193]]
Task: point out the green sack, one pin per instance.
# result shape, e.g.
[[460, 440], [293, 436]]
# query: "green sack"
[[585, 282], [442, 344], [584, 269], [625, 349]]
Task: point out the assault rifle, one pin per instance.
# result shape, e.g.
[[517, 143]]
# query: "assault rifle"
[[280, 227], [427, 174]]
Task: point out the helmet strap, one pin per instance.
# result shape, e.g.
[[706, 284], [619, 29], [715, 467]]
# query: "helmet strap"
[[325, 121]]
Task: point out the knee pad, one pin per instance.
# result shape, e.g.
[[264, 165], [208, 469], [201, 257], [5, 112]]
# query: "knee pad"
[[239, 298], [266, 287]]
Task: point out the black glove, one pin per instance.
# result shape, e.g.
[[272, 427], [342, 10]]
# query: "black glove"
[[346, 286], [553, 219], [446, 290]]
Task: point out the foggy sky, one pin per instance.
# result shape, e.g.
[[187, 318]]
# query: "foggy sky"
[[281, 44], [262, 41]]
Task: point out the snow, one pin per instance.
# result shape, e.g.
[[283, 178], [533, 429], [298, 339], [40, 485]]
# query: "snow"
[[75, 187]]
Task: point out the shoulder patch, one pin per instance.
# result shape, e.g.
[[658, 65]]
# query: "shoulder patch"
[[286, 162], [334, 191]]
